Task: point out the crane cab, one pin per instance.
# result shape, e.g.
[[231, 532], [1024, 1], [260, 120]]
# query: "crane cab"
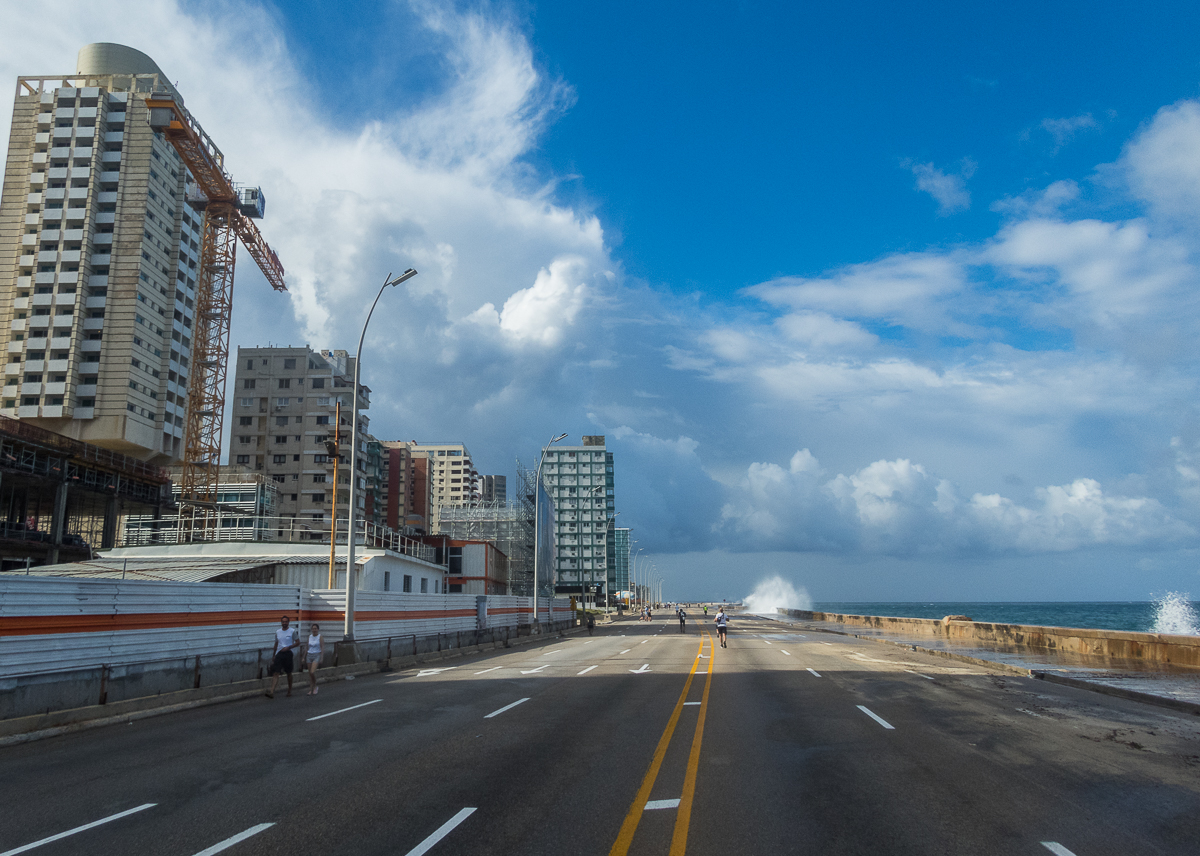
[[251, 202]]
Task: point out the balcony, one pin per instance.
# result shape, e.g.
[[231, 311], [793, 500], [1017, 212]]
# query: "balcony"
[[110, 157], [93, 323], [18, 325], [91, 346], [31, 388], [21, 303], [58, 365], [59, 388], [86, 390], [84, 413], [35, 366], [39, 321], [60, 343]]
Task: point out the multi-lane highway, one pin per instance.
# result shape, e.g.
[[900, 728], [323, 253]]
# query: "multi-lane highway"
[[636, 740]]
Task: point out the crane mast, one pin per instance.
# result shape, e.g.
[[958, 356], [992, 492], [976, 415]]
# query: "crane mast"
[[228, 212]]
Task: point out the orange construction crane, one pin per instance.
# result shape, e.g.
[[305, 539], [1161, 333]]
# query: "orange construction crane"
[[228, 215]]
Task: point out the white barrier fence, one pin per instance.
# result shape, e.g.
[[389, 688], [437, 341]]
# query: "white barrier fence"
[[60, 624]]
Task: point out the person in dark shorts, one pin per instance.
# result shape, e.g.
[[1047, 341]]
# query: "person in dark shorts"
[[721, 621], [591, 623], [682, 619], [286, 640]]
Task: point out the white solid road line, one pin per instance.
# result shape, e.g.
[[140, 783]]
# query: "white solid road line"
[[336, 712], [588, 669], [918, 674], [441, 832], [492, 669], [497, 713], [651, 805], [877, 718], [815, 672], [83, 828], [1056, 848], [234, 839]]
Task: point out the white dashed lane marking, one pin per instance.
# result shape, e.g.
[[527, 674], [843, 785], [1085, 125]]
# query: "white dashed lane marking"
[[506, 707], [77, 829], [877, 718], [815, 672], [440, 833], [234, 839]]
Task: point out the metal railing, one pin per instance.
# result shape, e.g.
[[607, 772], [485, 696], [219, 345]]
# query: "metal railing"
[[235, 525]]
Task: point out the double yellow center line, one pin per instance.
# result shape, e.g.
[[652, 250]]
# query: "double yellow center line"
[[684, 814]]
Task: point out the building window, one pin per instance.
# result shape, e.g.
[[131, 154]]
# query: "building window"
[[407, 583], [243, 459], [247, 402], [245, 420], [319, 478], [285, 383], [387, 580], [318, 383], [322, 420], [279, 459], [424, 585], [248, 383], [249, 364], [289, 363], [281, 438], [283, 402], [318, 499]]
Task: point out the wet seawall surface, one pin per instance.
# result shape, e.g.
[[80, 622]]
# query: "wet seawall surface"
[[1156, 664]]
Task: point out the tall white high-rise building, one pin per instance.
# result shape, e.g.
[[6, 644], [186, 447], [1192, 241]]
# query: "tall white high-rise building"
[[98, 259], [453, 478], [580, 482]]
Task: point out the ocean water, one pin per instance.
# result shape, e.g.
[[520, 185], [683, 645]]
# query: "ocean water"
[[1171, 614]]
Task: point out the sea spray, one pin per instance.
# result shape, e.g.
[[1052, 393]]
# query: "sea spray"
[[1174, 613], [776, 593]]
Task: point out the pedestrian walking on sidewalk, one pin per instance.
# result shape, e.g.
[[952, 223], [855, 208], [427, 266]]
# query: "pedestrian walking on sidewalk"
[[286, 640], [313, 657]]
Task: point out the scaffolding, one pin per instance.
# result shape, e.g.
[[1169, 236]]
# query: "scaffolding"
[[507, 525]]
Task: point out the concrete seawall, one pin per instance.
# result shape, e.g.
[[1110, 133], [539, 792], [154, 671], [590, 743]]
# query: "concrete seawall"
[[1156, 649]]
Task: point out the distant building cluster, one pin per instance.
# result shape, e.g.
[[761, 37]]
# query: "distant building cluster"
[[104, 237]]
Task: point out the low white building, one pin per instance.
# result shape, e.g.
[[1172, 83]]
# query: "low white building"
[[304, 565]]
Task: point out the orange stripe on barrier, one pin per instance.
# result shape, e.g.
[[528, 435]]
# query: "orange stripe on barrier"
[[39, 625]]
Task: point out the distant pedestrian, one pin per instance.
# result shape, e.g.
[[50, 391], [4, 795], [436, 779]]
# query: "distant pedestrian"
[[721, 621], [313, 656], [682, 619], [591, 623], [286, 640], [706, 610]]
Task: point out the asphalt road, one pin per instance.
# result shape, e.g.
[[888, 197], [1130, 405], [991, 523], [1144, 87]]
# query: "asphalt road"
[[637, 740]]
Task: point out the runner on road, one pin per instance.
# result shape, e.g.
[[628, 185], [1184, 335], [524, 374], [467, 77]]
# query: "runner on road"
[[682, 617], [286, 639], [721, 620]]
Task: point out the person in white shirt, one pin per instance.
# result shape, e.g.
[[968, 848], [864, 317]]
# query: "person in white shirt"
[[286, 640], [313, 654]]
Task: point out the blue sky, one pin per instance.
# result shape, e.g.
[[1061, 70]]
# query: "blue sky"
[[895, 303]]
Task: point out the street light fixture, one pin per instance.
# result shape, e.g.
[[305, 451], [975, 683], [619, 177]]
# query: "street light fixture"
[[537, 524], [353, 512]]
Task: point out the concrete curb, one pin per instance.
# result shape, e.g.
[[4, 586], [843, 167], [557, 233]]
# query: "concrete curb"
[[27, 729], [1118, 692], [1049, 677]]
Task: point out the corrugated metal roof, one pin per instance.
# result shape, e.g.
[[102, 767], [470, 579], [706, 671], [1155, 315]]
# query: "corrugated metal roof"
[[186, 569]]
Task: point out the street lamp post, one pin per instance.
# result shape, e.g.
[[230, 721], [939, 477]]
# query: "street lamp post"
[[537, 523], [611, 521], [353, 512], [633, 590]]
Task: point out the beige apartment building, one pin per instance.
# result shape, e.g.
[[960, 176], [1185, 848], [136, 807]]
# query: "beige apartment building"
[[284, 404], [452, 477], [98, 259]]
